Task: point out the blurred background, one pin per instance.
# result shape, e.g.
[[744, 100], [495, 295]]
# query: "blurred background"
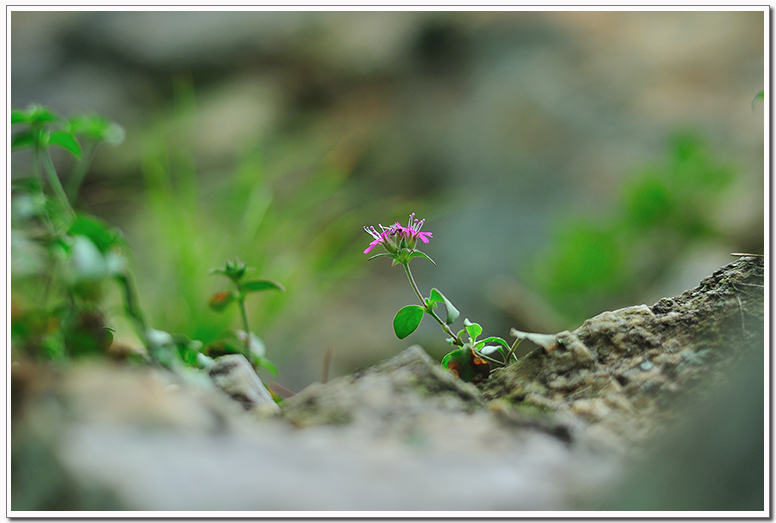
[[566, 163]]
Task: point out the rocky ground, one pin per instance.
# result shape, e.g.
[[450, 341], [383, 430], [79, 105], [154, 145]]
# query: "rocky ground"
[[643, 408]]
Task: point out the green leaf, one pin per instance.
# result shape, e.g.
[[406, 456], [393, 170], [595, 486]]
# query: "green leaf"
[[261, 285], [407, 320], [489, 350], [189, 356], [97, 128], [40, 115], [23, 140], [451, 356], [234, 270], [19, 117], [379, 255], [473, 329], [35, 114], [97, 231], [435, 297], [220, 300], [423, 255], [266, 364], [466, 364], [66, 140], [497, 340], [452, 312]]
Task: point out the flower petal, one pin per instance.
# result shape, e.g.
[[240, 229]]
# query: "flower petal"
[[373, 245]]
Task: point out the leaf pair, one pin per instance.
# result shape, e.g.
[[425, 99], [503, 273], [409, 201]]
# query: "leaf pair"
[[409, 317], [474, 330], [63, 139], [220, 300], [40, 119]]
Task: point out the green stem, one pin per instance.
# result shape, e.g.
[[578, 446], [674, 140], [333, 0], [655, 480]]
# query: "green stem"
[[245, 325], [36, 164], [492, 360], [512, 350], [74, 183], [56, 185], [132, 309], [414, 285], [429, 310]]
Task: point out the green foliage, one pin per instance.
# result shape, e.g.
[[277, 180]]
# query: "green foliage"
[[437, 297], [62, 261], [407, 320], [67, 141], [260, 210], [252, 346], [473, 329], [466, 364], [662, 208]]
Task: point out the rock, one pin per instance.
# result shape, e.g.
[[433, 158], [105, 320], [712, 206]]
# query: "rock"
[[585, 421], [234, 375], [89, 452], [621, 368], [394, 392]]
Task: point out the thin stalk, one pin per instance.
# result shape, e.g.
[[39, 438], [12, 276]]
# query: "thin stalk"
[[74, 183], [429, 310], [492, 360], [245, 326], [414, 285], [56, 185], [132, 309], [36, 164], [36, 151], [511, 352]]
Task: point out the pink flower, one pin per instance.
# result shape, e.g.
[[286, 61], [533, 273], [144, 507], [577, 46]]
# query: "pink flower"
[[413, 231], [379, 237], [396, 236]]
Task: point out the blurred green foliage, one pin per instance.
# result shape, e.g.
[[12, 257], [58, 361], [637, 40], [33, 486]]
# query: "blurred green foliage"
[[61, 260], [249, 345], [662, 208], [289, 207]]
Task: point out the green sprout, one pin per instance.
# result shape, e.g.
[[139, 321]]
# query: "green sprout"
[[252, 346]]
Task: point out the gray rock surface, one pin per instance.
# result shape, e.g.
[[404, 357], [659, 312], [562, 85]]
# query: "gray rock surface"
[[234, 375], [574, 426]]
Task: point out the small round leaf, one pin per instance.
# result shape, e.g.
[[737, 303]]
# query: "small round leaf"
[[474, 329], [407, 320]]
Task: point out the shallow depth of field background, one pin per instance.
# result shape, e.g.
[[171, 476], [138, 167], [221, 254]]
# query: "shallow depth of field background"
[[566, 163]]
